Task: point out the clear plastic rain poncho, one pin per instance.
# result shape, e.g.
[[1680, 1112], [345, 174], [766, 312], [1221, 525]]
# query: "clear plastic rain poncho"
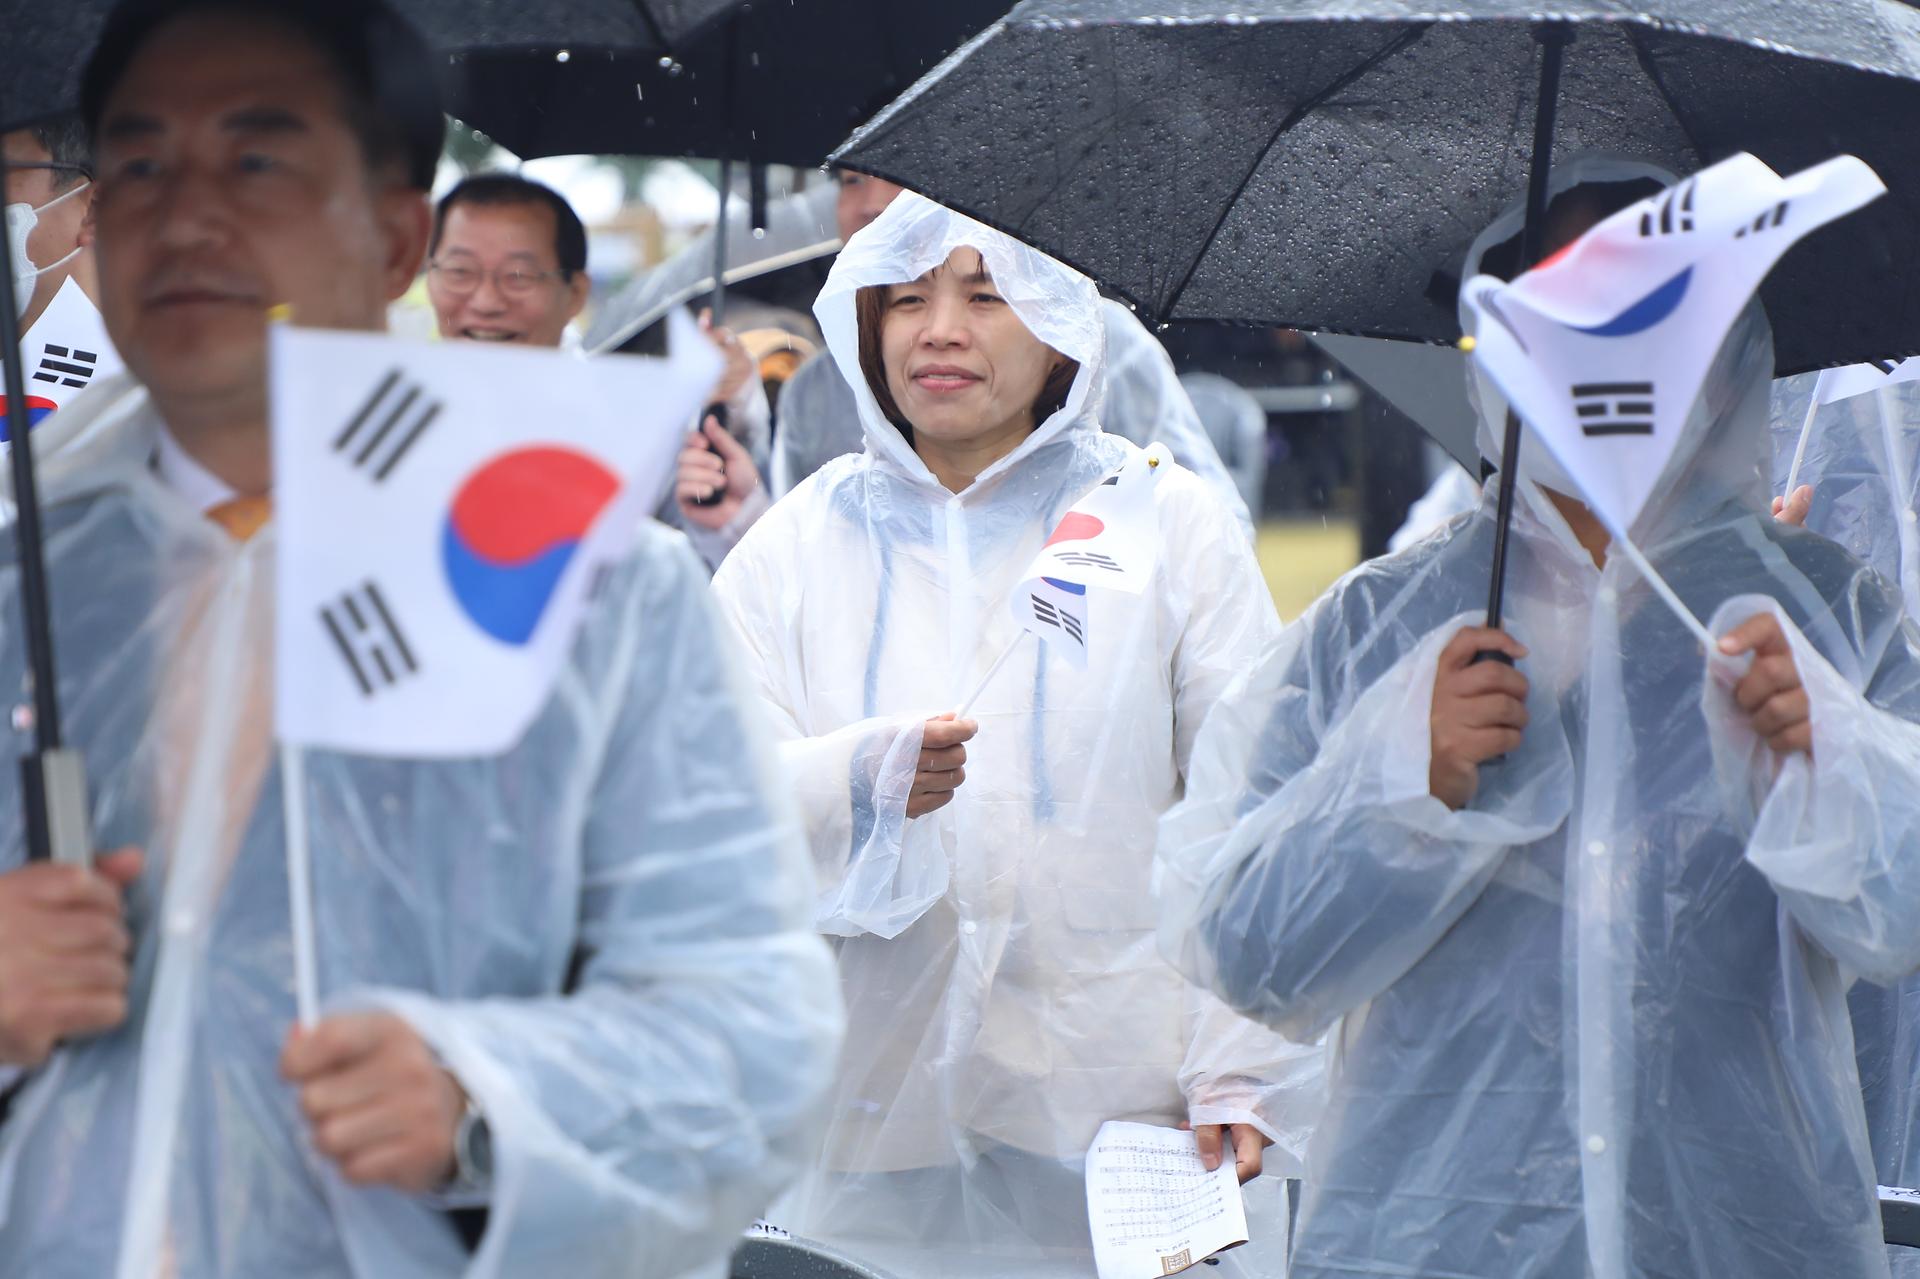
[[1863, 459], [1595, 1022], [1004, 993], [644, 1106], [1145, 403]]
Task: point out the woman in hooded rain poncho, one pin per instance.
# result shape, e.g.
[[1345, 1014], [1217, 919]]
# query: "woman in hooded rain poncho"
[[994, 914], [1861, 465], [1590, 1021]]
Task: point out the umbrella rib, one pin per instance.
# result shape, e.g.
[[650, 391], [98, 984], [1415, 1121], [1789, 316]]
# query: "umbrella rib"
[[653, 24], [1299, 113], [1645, 58]]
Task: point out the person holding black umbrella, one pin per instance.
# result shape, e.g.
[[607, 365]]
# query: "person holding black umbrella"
[[538, 1051], [1581, 922]]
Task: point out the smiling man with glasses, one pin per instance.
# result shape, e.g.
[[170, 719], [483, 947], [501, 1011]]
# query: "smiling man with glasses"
[[507, 263]]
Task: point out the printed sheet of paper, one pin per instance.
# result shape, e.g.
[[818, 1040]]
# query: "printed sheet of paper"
[[1154, 1207]]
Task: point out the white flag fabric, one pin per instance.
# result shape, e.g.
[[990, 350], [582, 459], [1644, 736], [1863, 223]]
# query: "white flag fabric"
[[441, 511], [64, 353], [1859, 379], [1602, 348], [1108, 540]]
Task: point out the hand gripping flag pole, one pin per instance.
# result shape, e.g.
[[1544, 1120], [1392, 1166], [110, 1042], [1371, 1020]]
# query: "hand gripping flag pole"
[[52, 775]]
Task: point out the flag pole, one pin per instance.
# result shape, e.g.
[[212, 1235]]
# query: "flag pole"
[[1800, 449], [1666, 593], [993, 670], [293, 804]]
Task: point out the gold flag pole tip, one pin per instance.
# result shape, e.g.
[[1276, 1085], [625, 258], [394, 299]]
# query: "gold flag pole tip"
[[280, 314], [1466, 344]]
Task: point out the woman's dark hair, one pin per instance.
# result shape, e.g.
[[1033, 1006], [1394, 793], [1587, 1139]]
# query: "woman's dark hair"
[[870, 311], [384, 68]]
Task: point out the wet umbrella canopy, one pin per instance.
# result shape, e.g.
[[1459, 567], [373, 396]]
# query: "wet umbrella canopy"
[[1325, 163], [48, 44], [800, 73]]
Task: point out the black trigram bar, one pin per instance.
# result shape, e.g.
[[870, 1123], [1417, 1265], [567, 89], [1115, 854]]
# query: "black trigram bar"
[[371, 642], [387, 425], [1614, 408], [1058, 619], [1886, 366], [1089, 559], [66, 366], [1766, 221], [1675, 213]]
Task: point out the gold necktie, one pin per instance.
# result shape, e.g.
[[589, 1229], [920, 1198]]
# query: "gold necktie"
[[241, 517]]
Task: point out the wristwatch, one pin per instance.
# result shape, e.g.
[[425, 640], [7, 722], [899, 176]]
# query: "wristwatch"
[[472, 1152]]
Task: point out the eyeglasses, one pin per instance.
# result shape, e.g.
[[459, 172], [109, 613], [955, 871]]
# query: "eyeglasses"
[[15, 166], [462, 278]]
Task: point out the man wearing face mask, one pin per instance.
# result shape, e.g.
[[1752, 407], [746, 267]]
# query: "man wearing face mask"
[[64, 344]]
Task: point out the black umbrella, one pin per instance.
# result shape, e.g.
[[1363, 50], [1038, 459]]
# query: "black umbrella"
[[48, 47], [800, 75], [1324, 164], [780, 82]]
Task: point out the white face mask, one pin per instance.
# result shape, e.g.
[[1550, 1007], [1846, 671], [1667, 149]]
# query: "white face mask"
[[22, 218]]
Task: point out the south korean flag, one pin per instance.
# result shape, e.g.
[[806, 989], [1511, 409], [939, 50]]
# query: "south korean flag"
[[1106, 540], [1834, 385], [1603, 348]]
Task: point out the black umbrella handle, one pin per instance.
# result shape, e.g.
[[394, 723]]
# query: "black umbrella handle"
[[718, 412], [1553, 38], [54, 782]]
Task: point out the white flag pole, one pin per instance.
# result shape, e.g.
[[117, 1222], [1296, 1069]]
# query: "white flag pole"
[[293, 793], [993, 670], [1800, 449], [1665, 592]]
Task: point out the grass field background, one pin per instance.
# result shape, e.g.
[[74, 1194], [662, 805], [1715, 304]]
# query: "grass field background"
[[1302, 558]]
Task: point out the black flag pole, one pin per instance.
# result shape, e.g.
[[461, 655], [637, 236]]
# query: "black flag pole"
[[53, 779], [1553, 38]]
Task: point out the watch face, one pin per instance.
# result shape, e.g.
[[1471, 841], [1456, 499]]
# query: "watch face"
[[473, 1150], [480, 1149]]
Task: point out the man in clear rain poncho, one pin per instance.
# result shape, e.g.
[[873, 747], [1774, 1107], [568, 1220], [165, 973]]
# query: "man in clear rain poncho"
[[1588, 1002], [570, 988], [990, 894], [819, 419], [1855, 485]]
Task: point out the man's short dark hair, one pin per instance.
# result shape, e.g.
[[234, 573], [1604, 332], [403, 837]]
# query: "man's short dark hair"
[[495, 189], [385, 70], [64, 139]]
